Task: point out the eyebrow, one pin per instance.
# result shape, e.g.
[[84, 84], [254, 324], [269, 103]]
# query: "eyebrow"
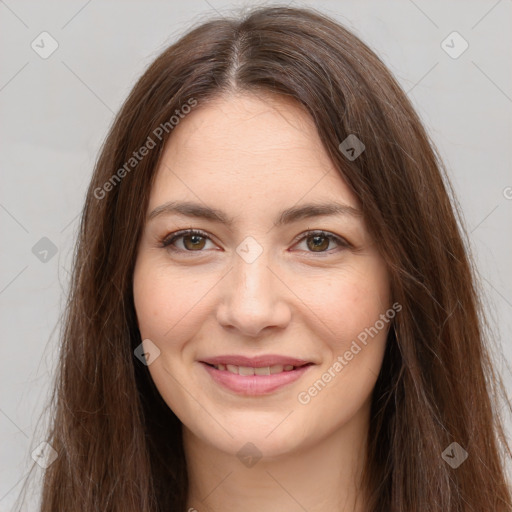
[[287, 216]]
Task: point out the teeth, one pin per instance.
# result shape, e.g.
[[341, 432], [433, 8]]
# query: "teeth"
[[247, 370]]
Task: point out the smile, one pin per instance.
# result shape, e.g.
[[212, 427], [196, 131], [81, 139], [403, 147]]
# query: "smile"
[[262, 378], [248, 370]]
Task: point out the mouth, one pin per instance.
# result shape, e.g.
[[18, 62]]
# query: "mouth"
[[259, 370], [256, 376]]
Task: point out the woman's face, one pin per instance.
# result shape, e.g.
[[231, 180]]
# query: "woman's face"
[[289, 293]]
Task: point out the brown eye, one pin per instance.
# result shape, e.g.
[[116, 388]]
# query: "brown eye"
[[193, 242], [318, 243], [187, 242]]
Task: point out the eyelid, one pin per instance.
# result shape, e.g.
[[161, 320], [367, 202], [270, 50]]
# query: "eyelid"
[[167, 241], [321, 232]]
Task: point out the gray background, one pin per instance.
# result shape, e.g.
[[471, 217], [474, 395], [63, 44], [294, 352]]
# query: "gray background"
[[55, 113]]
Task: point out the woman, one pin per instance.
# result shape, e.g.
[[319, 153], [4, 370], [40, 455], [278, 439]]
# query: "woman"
[[272, 305]]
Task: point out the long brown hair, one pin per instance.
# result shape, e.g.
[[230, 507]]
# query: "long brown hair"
[[119, 445]]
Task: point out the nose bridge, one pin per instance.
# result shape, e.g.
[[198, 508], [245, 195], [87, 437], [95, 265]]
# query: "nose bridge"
[[253, 296], [252, 287], [251, 274]]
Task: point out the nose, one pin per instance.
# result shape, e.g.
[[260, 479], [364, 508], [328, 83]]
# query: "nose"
[[254, 298]]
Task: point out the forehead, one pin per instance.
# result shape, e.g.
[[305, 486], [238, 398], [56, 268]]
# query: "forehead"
[[260, 148]]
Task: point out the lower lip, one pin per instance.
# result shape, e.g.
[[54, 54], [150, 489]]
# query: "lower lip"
[[255, 385]]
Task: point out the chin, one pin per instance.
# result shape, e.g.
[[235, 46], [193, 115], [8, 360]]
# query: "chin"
[[259, 437]]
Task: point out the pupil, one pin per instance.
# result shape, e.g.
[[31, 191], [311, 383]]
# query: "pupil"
[[319, 242], [194, 242]]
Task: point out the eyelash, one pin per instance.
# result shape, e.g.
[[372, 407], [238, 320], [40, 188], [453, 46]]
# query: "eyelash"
[[168, 240]]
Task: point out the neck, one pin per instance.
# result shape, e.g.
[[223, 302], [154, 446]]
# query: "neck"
[[321, 478]]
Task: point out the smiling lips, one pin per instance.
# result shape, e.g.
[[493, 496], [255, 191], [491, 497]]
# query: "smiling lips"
[[255, 375], [248, 370]]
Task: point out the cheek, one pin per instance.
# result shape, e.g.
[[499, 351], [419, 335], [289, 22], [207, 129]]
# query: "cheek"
[[164, 305], [165, 302], [348, 301], [150, 297], [354, 320]]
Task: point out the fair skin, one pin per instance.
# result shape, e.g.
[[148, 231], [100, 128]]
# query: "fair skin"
[[304, 297]]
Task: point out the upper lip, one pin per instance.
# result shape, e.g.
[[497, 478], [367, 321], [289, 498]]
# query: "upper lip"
[[256, 362]]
